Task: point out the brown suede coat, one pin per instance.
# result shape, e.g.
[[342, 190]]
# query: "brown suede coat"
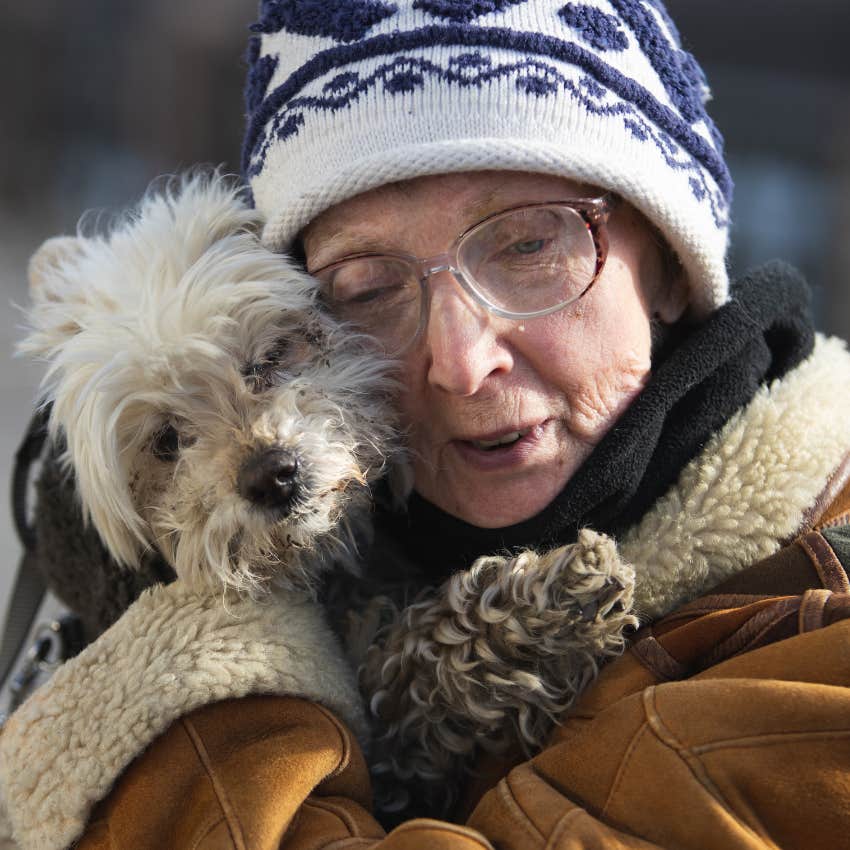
[[726, 725]]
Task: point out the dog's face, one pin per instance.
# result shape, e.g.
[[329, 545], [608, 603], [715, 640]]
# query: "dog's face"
[[209, 408]]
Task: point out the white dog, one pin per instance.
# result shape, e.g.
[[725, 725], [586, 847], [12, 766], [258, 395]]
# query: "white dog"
[[208, 408]]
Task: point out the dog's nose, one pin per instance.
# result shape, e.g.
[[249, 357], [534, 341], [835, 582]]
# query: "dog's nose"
[[269, 479]]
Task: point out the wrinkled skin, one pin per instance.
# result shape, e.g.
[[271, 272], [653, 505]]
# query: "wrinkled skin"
[[472, 375]]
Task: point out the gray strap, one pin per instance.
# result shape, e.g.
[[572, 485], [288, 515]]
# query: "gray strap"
[[29, 589], [24, 602]]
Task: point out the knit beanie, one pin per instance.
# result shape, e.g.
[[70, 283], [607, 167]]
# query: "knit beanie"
[[346, 95]]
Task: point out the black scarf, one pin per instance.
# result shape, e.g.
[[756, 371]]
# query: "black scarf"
[[700, 379]]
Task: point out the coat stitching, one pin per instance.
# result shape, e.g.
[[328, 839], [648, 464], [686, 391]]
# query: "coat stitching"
[[338, 811], [698, 770], [345, 741], [207, 830], [838, 482], [750, 634], [428, 825], [829, 567], [621, 770], [769, 739], [507, 795], [561, 827], [228, 811]]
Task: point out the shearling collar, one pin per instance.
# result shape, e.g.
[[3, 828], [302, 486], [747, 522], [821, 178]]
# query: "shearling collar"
[[749, 489], [170, 654], [745, 493]]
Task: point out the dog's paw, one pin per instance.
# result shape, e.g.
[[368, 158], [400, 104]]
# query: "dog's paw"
[[496, 655]]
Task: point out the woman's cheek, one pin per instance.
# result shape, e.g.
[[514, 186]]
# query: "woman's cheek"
[[599, 401]]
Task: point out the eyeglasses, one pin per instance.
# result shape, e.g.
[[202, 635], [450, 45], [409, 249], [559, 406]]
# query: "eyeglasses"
[[520, 263]]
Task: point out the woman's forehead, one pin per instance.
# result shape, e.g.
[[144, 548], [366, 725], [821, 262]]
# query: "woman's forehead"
[[447, 200]]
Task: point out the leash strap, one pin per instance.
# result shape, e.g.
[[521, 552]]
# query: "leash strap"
[[29, 587], [27, 595]]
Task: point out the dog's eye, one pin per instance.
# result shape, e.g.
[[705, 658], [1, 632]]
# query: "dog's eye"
[[166, 444], [260, 375]]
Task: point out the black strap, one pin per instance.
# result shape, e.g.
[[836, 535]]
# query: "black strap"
[[29, 588], [27, 595], [27, 454]]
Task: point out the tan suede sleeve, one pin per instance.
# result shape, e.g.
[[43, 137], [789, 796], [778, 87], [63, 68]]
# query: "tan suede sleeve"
[[751, 754], [259, 773], [267, 773]]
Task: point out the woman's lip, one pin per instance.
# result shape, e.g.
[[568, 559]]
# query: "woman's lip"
[[498, 435], [513, 454]]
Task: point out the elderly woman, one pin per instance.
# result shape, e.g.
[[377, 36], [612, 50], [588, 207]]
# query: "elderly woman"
[[526, 204]]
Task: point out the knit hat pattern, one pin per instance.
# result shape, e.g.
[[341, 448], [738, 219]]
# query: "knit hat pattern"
[[346, 95]]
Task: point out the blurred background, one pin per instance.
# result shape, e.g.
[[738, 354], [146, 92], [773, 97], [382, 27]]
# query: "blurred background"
[[98, 97]]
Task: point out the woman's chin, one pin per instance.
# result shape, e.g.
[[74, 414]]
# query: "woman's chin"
[[486, 506]]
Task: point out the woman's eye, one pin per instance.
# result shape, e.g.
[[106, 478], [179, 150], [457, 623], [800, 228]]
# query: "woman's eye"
[[166, 444], [529, 247], [373, 293], [368, 280], [359, 290]]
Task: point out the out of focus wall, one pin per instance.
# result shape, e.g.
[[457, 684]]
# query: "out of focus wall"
[[780, 75], [97, 97]]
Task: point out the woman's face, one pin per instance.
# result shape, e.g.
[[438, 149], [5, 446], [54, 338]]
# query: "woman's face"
[[561, 381]]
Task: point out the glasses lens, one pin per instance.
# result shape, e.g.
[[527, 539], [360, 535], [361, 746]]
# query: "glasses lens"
[[529, 260], [379, 295]]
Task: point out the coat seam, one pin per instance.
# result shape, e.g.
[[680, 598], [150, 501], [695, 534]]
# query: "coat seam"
[[836, 522], [560, 827], [345, 740], [621, 770], [507, 795], [341, 816], [768, 739], [210, 826], [228, 813], [696, 768], [426, 824], [831, 571]]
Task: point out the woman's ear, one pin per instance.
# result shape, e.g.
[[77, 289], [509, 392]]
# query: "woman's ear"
[[673, 294]]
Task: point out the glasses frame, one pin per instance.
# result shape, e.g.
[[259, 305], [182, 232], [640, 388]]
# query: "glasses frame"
[[594, 212]]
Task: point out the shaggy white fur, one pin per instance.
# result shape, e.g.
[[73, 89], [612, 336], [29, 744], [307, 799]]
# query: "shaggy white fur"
[[184, 362], [171, 653], [746, 492], [749, 488]]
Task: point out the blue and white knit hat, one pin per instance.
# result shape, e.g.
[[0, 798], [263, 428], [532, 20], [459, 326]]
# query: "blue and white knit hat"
[[347, 95]]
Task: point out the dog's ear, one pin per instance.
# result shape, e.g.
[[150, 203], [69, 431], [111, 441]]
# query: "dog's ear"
[[47, 278], [58, 299]]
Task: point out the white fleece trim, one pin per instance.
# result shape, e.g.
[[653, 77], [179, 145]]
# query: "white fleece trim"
[[169, 654], [749, 488]]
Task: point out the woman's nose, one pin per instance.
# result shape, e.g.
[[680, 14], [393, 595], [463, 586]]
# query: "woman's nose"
[[461, 338]]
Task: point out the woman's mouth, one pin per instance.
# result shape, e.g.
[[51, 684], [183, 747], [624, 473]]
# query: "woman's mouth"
[[503, 450], [505, 440]]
